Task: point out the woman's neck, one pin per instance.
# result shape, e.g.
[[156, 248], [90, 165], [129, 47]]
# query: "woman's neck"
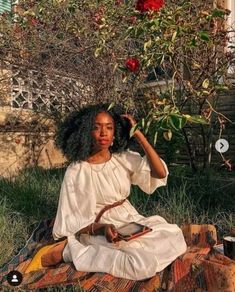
[[99, 157]]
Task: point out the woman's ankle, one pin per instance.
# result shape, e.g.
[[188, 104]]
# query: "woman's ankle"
[[53, 257]]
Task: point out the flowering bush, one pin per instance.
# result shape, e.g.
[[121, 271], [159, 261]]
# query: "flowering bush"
[[114, 47]]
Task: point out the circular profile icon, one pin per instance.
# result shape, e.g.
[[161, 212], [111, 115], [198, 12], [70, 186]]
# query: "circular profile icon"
[[222, 145], [14, 278]]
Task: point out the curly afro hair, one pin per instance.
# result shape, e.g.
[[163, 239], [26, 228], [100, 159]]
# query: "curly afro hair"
[[74, 133]]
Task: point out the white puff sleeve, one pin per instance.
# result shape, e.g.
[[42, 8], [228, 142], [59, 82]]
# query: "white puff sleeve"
[[76, 208], [141, 172]]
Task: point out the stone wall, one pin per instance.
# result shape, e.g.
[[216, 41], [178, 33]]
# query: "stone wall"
[[28, 144], [26, 137]]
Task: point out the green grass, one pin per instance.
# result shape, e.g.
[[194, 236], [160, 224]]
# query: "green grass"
[[26, 200], [192, 198], [33, 196]]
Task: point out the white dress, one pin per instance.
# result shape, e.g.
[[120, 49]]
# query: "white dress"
[[85, 190]]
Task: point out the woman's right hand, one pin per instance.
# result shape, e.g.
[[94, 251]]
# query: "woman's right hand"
[[130, 119], [110, 232]]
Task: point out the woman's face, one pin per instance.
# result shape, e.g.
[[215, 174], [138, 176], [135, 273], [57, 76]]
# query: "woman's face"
[[103, 131]]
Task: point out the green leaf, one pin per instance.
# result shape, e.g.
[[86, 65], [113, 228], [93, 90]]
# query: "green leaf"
[[111, 106], [147, 44], [97, 52], [166, 108], [115, 67], [147, 126], [122, 68], [221, 87], [163, 123], [218, 13], [173, 122], [197, 119], [187, 117], [183, 122], [162, 59], [130, 28], [133, 129], [204, 36], [142, 123], [205, 92], [124, 79], [206, 83], [193, 42], [195, 65], [177, 122], [150, 24], [174, 36], [155, 138]]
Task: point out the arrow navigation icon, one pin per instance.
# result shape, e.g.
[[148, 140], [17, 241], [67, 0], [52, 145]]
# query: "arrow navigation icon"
[[221, 145]]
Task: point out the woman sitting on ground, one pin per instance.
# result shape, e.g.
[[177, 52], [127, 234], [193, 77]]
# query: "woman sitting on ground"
[[101, 172]]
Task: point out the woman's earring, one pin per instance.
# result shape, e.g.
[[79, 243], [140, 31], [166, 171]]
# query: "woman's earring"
[[112, 142]]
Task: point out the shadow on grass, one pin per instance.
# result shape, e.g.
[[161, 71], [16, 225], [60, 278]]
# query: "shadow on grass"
[[213, 189]]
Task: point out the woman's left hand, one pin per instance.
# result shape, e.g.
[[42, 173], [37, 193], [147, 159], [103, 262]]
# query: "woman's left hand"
[[110, 232]]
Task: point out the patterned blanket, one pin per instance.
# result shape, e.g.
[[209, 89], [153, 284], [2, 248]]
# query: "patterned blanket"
[[65, 274], [201, 268]]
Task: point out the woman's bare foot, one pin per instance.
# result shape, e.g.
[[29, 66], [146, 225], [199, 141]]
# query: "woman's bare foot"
[[54, 255]]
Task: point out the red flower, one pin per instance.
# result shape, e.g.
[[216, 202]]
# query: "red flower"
[[149, 5], [132, 64]]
